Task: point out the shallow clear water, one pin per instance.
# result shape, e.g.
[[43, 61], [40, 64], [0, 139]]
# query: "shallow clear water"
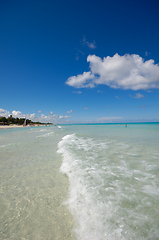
[[80, 182], [32, 189]]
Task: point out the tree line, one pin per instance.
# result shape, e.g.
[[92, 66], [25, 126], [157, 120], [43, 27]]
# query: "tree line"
[[17, 121]]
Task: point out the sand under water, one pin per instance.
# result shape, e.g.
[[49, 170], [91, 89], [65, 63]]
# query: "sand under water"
[[83, 182]]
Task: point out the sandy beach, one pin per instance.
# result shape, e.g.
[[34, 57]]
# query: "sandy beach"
[[17, 126], [10, 126]]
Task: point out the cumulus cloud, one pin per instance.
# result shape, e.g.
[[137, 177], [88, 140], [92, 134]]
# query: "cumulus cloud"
[[119, 72], [82, 80], [32, 115], [17, 114], [4, 113]]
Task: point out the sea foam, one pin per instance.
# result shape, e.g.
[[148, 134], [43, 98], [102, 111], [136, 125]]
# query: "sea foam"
[[113, 192]]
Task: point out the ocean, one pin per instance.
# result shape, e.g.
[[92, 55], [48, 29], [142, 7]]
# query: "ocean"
[[93, 181]]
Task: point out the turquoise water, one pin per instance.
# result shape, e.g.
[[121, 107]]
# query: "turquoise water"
[[80, 182]]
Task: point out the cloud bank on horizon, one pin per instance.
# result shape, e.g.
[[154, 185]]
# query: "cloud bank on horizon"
[[119, 72], [16, 114], [33, 117]]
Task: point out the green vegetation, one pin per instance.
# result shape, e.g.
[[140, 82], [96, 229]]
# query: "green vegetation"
[[19, 121]]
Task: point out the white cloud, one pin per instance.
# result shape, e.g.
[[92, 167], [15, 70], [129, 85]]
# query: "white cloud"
[[69, 111], [89, 44], [82, 80], [17, 114], [123, 72], [4, 113], [64, 116], [32, 115], [85, 108], [42, 118]]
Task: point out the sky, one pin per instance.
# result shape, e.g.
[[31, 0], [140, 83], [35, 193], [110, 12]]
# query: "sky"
[[80, 61]]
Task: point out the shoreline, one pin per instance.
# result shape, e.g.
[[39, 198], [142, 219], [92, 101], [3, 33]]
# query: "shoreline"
[[15, 126], [9, 126]]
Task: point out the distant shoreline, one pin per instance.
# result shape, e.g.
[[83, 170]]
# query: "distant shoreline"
[[15, 126]]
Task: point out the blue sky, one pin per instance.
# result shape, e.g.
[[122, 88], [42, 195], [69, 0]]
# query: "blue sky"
[[80, 61]]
